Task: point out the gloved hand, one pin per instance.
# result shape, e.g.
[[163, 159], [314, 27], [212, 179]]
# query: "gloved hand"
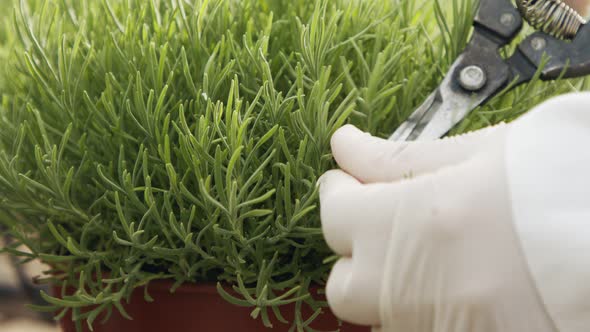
[[464, 233]]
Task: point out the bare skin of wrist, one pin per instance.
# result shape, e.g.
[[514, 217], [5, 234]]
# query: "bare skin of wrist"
[[581, 6]]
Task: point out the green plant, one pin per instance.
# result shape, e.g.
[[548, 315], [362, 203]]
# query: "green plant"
[[177, 139], [5, 39]]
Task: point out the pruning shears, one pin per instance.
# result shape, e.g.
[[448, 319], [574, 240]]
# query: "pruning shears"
[[480, 72]]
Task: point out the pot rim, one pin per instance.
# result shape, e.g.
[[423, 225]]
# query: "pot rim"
[[205, 287], [187, 287]]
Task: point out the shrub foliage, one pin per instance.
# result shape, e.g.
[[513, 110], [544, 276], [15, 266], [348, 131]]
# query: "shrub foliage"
[[182, 139]]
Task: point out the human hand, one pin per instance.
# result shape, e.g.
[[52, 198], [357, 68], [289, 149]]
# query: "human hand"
[[581, 6], [427, 234]]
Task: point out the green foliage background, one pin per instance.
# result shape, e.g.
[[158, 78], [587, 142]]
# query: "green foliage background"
[[182, 139]]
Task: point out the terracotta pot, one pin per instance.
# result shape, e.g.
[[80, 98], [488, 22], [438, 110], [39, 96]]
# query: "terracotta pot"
[[198, 308]]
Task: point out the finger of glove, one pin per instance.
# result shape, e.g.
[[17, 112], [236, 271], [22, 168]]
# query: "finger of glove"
[[337, 201], [371, 159], [353, 292], [351, 211]]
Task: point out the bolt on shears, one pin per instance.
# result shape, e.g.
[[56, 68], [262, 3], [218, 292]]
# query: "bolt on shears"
[[560, 49]]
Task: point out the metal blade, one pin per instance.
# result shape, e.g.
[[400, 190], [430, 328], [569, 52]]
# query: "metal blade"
[[405, 130]]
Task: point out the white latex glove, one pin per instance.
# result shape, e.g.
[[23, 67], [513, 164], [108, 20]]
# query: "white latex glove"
[[464, 233]]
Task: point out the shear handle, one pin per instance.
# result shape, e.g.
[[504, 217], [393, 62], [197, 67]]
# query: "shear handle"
[[567, 59], [500, 18]]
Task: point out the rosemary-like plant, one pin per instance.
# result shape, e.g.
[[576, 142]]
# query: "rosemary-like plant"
[[182, 139]]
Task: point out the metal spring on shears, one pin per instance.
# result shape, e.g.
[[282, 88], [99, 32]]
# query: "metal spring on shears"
[[553, 17]]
